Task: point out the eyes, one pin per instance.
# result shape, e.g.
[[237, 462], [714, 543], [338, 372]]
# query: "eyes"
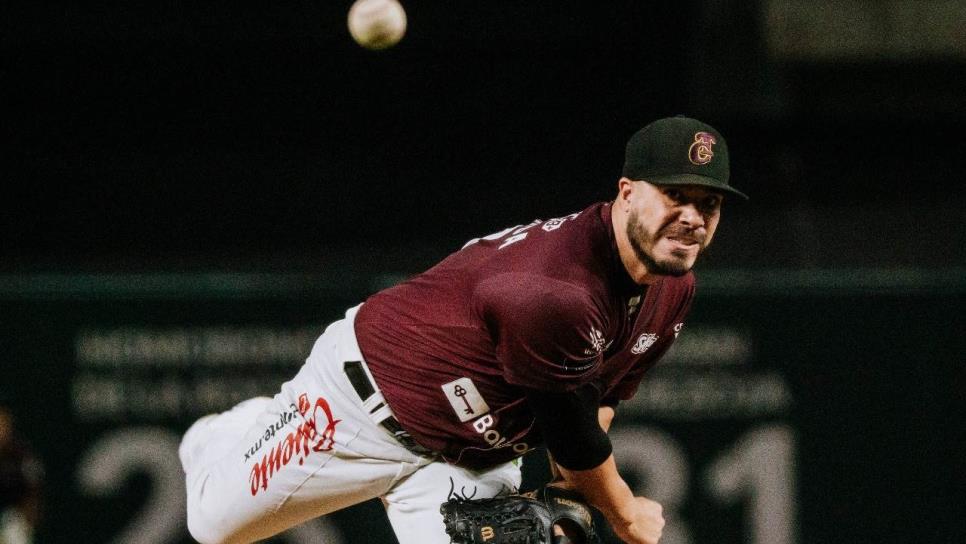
[[705, 202]]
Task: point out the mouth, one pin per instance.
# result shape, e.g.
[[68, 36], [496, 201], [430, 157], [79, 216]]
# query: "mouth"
[[683, 242]]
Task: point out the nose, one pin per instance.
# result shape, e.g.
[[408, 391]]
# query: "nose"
[[690, 216]]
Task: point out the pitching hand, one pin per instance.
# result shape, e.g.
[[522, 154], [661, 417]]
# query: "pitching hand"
[[641, 523]]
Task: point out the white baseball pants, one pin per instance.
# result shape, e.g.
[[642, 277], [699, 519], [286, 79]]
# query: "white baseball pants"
[[271, 463]]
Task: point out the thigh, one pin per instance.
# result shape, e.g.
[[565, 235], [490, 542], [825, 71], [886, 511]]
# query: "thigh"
[[270, 464], [279, 475], [413, 504]]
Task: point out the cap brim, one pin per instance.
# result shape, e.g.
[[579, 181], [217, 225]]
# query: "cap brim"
[[694, 179]]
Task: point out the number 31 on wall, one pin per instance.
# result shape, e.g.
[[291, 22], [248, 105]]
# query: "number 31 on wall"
[[758, 468]]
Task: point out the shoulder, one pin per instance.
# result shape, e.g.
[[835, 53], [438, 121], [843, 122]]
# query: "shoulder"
[[675, 297], [564, 259], [546, 314], [548, 334], [681, 286], [678, 291], [527, 295]]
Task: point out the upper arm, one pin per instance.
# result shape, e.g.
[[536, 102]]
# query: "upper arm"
[[569, 424]]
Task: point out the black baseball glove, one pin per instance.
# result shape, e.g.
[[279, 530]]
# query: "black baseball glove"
[[519, 519]]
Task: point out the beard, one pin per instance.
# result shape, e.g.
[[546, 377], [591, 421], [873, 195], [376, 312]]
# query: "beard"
[[670, 266]]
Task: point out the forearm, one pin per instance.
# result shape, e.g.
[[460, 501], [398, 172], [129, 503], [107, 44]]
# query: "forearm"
[[583, 445], [636, 520], [603, 487]]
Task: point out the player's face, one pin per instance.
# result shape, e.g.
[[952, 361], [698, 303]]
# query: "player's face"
[[669, 226]]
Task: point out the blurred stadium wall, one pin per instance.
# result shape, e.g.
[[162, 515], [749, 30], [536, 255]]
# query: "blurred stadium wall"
[[191, 191]]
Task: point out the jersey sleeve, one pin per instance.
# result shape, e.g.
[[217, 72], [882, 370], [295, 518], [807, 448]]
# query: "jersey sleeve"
[[627, 386], [549, 334]]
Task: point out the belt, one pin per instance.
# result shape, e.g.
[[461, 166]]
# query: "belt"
[[369, 394]]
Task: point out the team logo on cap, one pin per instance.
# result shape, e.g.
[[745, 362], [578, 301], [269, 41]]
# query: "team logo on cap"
[[700, 151]]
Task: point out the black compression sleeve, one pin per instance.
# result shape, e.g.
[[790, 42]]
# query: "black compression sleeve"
[[570, 427], [612, 402]]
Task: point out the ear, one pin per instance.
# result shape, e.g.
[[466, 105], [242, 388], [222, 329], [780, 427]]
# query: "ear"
[[625, 188]]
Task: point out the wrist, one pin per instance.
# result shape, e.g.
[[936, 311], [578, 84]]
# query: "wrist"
[[619, 513], [611, 495]]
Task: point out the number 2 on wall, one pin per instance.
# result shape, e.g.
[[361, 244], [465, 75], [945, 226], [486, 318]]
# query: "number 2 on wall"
[[117, 456]]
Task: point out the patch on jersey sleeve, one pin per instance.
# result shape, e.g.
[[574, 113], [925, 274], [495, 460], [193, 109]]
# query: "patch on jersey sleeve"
[[465, 399], [643, 342], [598, 344]]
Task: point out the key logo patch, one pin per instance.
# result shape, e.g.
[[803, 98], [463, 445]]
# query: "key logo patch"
[[465, 399]]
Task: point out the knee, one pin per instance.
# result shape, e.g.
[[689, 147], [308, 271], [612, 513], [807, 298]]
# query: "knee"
[[209, 524], [204, 531]]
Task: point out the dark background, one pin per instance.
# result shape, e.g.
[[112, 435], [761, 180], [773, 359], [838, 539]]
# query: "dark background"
[[153, 143], [179, 134]]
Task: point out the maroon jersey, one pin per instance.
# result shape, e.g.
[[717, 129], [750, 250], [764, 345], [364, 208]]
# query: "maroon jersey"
[[547, 305]]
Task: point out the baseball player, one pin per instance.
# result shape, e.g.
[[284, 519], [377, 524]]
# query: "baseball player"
[[531, 335]]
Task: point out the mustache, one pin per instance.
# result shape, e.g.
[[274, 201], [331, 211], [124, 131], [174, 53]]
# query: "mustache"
[[684, 234]]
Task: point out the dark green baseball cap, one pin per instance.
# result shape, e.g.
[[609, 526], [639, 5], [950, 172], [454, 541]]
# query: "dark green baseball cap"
[[679, 151]]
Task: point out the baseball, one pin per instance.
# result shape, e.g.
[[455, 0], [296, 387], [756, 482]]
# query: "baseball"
[[377, 24]]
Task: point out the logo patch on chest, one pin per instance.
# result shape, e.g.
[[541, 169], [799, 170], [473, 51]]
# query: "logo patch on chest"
[[465, 399], [644, 341]]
